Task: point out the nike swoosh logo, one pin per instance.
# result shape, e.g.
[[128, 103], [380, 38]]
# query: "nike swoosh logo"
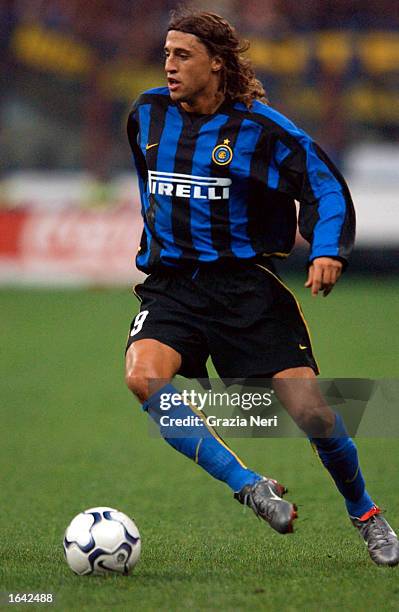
[[149, 146], [302, 347]]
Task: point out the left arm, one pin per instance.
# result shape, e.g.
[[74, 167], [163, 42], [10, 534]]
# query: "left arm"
[[326, 216]]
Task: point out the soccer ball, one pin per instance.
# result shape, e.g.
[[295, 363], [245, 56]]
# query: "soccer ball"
[[100, 541]]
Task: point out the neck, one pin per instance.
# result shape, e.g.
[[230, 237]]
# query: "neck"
[[204, 105]]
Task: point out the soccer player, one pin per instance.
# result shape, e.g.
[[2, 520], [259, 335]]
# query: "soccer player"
[[219, 172]]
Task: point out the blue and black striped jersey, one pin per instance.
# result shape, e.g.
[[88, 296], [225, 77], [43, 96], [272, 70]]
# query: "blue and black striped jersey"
[[223, 186]]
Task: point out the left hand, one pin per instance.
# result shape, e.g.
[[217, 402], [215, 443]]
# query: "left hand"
[[323, 274]]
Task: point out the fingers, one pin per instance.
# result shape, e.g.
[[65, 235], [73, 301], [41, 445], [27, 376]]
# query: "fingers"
[[323, 274], [330, 277], [317, 280], [310, 277], [328, 282], [314, 280]]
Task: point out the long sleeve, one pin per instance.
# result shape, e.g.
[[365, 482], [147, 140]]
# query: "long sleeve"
[[326, 215], [133, 132]]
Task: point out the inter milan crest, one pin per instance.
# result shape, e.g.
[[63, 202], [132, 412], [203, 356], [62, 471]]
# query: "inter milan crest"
[[222, 154]]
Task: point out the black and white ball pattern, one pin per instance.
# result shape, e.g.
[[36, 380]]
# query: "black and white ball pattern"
[[100, 541]]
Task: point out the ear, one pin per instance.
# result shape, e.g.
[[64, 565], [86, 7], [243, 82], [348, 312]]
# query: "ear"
[[216, 64]]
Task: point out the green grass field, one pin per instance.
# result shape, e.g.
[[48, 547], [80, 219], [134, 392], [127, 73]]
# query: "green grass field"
[[72, 437]]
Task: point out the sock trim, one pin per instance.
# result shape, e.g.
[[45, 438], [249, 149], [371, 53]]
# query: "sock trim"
[[155, 396], [215, 434], [197, 450], [374, 510]]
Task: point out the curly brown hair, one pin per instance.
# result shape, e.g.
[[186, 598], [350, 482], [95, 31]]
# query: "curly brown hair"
[[238, 80]]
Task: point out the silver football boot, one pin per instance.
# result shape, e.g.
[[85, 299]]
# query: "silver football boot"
[[381, 540], [264, 497]]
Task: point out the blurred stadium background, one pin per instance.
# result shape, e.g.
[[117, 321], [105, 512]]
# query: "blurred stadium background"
[[70, 69], [69, 228]]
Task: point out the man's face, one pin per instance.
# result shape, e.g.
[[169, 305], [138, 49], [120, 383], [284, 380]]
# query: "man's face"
[[191, 72]]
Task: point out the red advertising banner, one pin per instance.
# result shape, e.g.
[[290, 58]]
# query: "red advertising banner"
[[95, 247]]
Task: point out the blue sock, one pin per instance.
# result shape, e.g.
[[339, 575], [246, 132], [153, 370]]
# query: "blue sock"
[[195, 439], [339, 455]]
